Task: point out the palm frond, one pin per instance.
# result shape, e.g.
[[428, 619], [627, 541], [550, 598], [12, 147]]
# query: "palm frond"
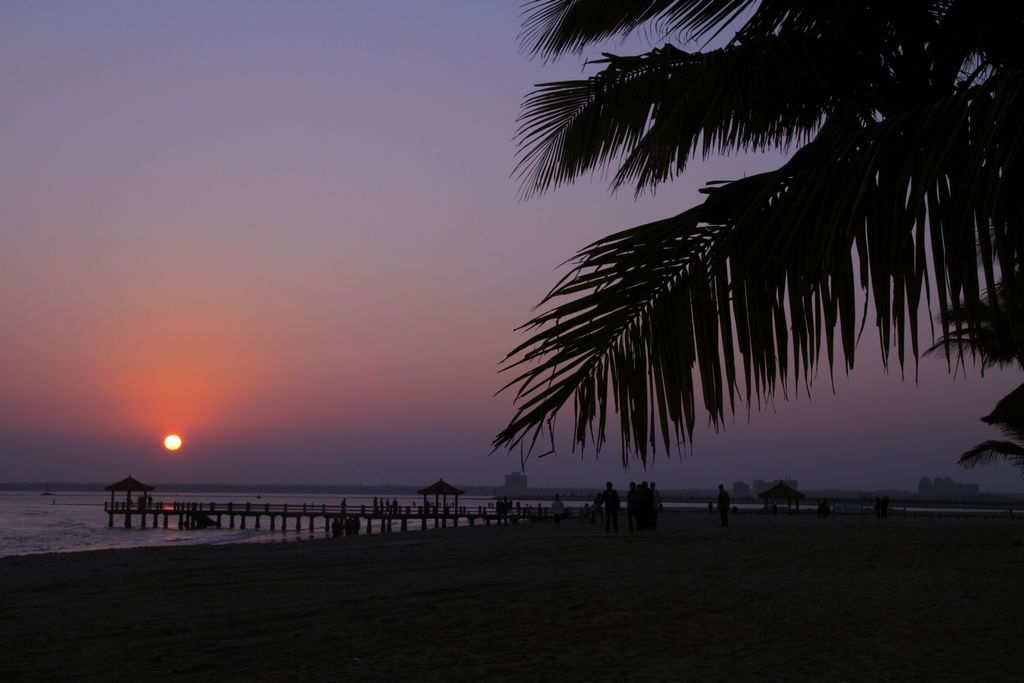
[[554, 27], [660, 108], [905, 186], [762, 269], [989, 452]]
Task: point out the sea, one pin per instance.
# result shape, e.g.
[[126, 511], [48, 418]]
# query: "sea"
[[34, 522]]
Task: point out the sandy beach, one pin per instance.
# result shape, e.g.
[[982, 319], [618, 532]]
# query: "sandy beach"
[[768, 599]]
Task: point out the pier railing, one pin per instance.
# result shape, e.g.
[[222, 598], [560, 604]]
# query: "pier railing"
[[194, 514]]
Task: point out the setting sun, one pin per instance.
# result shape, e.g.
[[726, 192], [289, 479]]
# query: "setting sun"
[[172, 442]]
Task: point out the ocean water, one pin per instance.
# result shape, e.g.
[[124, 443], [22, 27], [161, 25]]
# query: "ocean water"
[[32, 523]]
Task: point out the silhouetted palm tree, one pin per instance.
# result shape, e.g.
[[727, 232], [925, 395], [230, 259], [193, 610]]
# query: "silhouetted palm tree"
[[905, 124], [1009, 417], [998, 340], [997, 337]]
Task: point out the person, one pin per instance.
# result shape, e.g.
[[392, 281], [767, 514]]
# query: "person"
[[557, 509], [643, 512], [655, 507], [587, 516], [631, 506], [885, 507], [723, 505], [598, 508], [711, 507], [610, 499]]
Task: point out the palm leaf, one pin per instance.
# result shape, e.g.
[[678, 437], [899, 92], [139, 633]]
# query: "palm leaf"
[[905, 187], [660, 108], [989, 452]]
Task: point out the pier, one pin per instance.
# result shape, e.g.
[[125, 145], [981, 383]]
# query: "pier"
[[309, 517]]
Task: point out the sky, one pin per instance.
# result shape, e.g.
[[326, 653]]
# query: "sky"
[[289, 233]]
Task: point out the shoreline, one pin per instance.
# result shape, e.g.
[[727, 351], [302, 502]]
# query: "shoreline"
[[769, 598]]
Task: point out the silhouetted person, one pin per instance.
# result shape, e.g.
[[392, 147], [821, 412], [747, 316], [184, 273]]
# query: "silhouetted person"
[[723, 505], [557, 509], [885, 507], [655, 506], [610, 500], [878, 507], [632, 501], [711, 506], [643, 512]]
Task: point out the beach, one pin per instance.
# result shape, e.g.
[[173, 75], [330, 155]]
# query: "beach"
[[771, 598]]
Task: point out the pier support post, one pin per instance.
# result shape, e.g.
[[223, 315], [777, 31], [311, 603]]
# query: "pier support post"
[[242, 525], [165, 520], [273, 524], [404, 525], [110, 519]]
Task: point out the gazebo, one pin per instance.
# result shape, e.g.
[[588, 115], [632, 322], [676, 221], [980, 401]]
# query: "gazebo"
[[782, 491], [443, 489], [128, 484]]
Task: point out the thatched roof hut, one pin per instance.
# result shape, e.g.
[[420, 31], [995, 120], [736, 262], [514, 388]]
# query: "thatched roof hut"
[[443, 489], [782, 491], [129, 483]]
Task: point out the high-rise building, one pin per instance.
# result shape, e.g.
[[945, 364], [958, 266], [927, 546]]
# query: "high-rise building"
[[944, 487]]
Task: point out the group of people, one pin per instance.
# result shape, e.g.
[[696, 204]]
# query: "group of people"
[[348, 526], [383, 505], [643, 503], [503, 509]]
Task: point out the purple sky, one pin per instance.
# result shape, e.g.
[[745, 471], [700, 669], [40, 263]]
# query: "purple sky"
[[288, 232]]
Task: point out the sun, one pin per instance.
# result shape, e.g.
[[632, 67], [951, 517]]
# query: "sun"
[[172, 442]]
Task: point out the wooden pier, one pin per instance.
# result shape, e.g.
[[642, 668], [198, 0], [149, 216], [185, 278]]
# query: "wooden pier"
[[301, 517]]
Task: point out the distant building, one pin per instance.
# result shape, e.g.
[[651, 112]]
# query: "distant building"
[[515, 484], [740, 489], [944, 487]]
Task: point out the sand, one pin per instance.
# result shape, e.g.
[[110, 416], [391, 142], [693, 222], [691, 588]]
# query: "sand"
[[768, 599]]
